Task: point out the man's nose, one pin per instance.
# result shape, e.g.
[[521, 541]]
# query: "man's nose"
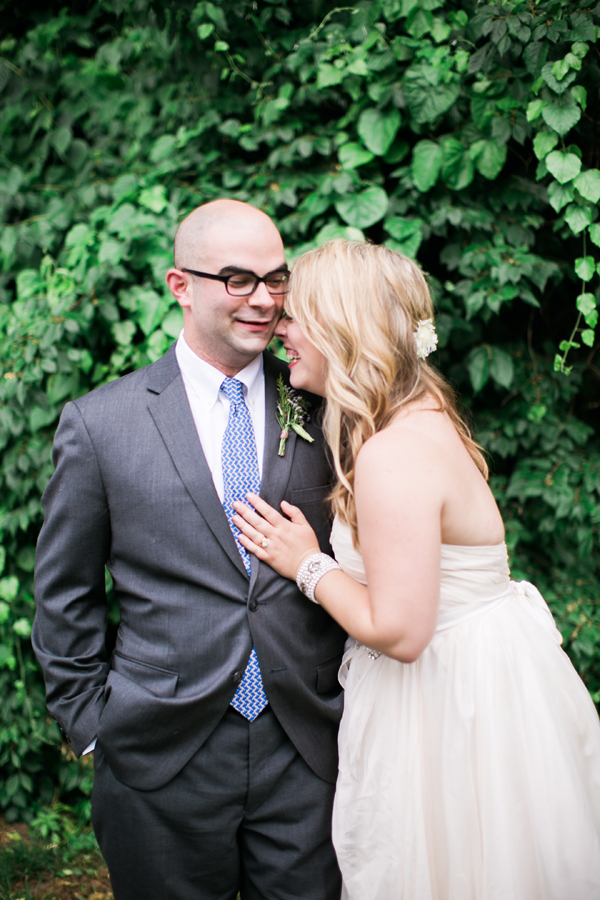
[[261, 297]]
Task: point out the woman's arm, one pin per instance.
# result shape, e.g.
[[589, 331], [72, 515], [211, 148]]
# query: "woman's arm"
[[398, 500]]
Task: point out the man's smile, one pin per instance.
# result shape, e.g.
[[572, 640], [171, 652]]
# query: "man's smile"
[[255, 325]]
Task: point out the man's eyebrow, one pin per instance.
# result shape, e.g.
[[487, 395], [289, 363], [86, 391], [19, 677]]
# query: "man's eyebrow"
[[237, 270]]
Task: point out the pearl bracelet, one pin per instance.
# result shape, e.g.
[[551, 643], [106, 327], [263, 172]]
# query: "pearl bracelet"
[[312, 570]]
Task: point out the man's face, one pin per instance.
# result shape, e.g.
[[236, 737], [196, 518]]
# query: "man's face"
[[229, 332]]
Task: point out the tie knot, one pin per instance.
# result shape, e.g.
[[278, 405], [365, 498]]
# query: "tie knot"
[[233, 390]]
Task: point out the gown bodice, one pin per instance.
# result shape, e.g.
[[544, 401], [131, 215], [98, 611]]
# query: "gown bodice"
[[473, 579]]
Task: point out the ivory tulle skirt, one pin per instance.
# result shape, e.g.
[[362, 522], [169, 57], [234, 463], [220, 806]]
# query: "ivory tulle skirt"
[[474, 772]]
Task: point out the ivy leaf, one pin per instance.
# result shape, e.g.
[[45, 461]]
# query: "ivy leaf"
[[564, 166], [543, 143], [586, 304], [334, 230], [407, 235], [22, 627], [378, 129], [40, 418], [559, 87], [594, 233], [426, 164], [592, 318], [123, 332], [328, 75], [579, 94], [60, 386], [588, 185], [110, 252], [401, 229], [534, 109], [353, 155], [501, 368], [561, 117], [172, 323], [578, 217], [585, 267], [426, 102], [489, 157], [154, 198], [457, 168], [77, 154], [361, 210], [397, 152], [559, 195], [60, 139], [163, 147], [479, 368], [587, 336], [9, 588], [534, 57], [561, 66], [419, 23]]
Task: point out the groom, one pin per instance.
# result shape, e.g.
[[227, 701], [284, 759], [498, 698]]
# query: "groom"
[[216, 716]]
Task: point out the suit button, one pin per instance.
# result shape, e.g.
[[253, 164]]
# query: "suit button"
[[237, 677], [253, 605]]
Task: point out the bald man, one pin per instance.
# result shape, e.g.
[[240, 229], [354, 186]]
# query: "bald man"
[[214, 720]]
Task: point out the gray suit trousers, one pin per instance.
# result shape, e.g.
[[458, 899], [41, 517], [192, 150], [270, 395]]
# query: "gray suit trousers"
[[246, 813]]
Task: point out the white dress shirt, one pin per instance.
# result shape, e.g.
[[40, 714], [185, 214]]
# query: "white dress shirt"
[[210, 409], [210, 406]]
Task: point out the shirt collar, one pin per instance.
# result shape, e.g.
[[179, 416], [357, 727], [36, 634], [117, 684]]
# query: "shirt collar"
[[205, 380]]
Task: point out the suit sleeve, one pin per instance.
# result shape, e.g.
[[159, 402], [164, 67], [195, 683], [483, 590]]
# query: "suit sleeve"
[[69, 628]]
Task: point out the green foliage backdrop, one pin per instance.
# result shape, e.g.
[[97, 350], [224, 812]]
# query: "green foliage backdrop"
[[463, 135]]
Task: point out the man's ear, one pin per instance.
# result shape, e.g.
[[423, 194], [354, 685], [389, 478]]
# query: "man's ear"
[[178, 283]]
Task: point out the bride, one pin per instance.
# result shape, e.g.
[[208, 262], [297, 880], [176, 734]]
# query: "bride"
[[469, 747]]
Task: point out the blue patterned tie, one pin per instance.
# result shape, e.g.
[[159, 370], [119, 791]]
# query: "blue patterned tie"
[[241, 475]]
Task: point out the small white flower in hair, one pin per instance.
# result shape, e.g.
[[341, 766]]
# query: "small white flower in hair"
[[425, 337]]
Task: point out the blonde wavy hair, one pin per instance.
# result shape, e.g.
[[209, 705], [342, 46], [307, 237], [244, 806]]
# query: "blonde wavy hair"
[[359, 304]]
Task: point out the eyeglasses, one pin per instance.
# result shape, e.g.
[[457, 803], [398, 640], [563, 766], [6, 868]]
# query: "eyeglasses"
[[243, 284]]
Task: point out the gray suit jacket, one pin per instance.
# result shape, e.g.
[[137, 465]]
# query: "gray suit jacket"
[[132, 490]]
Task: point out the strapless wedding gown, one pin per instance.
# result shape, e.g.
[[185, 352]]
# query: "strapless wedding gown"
[[474, 772]]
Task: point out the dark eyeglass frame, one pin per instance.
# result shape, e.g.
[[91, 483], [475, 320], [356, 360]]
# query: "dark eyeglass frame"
[[225, 280]]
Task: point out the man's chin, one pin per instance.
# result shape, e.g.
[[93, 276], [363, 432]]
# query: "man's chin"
[[252, 346]]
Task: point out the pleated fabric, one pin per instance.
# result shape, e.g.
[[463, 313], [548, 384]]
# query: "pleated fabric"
[[474, 772]]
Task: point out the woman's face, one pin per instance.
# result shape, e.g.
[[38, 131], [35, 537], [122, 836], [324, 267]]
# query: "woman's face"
[[308, 366]]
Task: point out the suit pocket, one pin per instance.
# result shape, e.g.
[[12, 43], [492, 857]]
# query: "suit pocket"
[[327, 676], [310, 495], [159, 681]]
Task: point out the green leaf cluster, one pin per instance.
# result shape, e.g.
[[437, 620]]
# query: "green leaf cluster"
[[460, 134]]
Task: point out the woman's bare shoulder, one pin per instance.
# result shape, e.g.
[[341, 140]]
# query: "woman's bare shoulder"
[[416, 442], [413, 429]]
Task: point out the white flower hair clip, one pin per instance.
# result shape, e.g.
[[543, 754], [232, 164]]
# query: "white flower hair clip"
[[425, 338]]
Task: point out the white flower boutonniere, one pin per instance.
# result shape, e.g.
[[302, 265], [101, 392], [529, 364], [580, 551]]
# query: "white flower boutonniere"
[[291, 413], [425, 337]]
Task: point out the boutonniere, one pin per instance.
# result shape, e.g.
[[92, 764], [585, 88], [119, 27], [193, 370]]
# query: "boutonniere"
[[291, 413]]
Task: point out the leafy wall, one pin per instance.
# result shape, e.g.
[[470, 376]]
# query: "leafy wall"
[[463, 135]]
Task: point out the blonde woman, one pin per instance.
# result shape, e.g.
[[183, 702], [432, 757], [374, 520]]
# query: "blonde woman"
[[469, 747]]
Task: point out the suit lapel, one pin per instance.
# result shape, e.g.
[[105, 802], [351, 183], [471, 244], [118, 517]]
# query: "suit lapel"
[[170, 409], [276, 469]]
